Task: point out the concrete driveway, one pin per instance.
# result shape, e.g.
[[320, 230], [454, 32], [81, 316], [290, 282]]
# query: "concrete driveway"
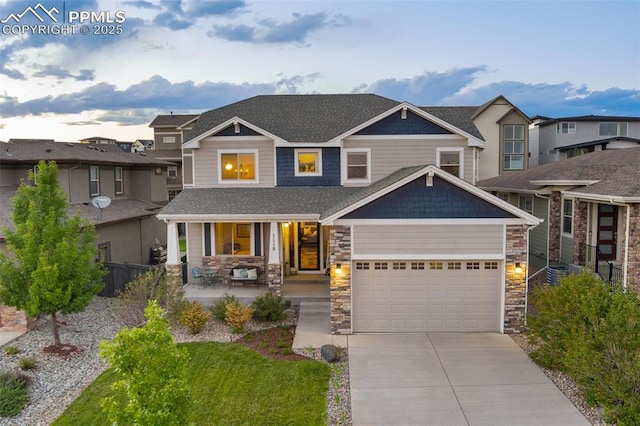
[[450, 379]]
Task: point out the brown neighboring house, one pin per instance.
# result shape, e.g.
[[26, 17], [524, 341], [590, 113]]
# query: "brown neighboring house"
[[591, 208]]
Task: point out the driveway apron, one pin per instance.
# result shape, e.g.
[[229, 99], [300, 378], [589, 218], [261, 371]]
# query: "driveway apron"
[[451, 379]]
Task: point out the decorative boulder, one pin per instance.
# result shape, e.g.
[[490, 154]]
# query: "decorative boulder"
[[330, 353]]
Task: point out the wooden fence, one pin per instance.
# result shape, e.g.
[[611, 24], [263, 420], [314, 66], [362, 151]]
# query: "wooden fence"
[[120, 274]]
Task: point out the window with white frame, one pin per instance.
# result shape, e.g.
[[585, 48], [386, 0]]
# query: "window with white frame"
[[308, 162], [119, 184], [568, 128], [567, 216], [94, 180], [525, 202], [238, 165], [358, 164], [172, 171], [613, 129], [513, 147], [169, 139], [450, 160], [173, 193]]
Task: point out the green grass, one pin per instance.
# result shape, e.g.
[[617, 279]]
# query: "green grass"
[[183, 246], [231, 384]]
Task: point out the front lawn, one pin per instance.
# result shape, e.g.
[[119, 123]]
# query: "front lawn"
[[231, 384]]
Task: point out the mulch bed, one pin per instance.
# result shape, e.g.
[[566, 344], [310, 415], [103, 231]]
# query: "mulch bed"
[[274, 343]]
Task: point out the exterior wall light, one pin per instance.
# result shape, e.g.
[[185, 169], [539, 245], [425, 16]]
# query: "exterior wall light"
[[338, 268], [519, 268]]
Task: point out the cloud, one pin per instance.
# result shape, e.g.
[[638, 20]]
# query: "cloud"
[[83, 123], [297, 30], [60, 73], [154, 93], [179, 15], [141, 4]]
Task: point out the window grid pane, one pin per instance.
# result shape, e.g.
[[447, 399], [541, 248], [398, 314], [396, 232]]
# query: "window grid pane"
[[357, 165]]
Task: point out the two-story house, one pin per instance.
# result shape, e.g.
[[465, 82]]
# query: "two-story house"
[[378, 191], [168, 136], [561, 138], [126, 230]]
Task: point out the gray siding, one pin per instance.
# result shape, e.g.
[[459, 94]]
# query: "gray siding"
[[194, 244], [428, 240], [566, 249], [538, 236], [389, 155], [79, 185], [125, 241], [187, 170]]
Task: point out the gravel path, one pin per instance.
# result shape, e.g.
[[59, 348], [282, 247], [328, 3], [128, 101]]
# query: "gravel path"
[[58, 382]]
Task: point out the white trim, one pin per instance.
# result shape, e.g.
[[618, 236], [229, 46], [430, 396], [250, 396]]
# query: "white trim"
[[601, 197], [160, 132], [256, 159], [344, 178], [562, 216], [188, 122], [164, 139], [471, 140], [93, 194], [296, 161], [460, 152], [195, 142], [115, 180], [237, 138], [479, 221], [233, 218], [565, 182], [422, 256], [528, 218], [503, 287]]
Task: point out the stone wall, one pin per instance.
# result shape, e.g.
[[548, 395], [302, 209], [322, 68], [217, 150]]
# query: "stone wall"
[[515, 283], [579, 232], [633, 259], [229, 262], [274, 279], [340, 291], [12, 319], [555, 222]]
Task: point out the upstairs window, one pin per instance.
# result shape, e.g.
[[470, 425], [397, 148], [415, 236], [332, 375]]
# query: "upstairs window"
[[358, 165], [94, 180], [513, 149], [567, 128], [567, 216], [450, 160], [613, 129], [308, 162], [238, 166], [119, 186], [169, 139]]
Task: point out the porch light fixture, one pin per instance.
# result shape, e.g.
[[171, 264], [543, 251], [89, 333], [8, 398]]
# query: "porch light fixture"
[[286, 224], [338, 268], [518, 268]]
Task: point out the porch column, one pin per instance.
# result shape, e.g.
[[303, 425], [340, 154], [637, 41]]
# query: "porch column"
[[173, 248], [274, 265], [555, 220], [580, 223]]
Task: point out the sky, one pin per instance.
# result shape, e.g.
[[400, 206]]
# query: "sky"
[[141, 58]]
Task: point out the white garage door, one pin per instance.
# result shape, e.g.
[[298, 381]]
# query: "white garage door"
[[426, 296]]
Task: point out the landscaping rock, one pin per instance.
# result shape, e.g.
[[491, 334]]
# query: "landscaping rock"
[[330, 353]]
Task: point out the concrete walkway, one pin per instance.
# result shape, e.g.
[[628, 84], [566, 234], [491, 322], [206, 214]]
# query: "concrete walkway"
[[8, 336], [442, 379]]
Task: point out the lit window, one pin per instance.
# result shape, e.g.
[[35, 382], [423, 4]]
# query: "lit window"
[[435, 266], [613, 129], [567, 216], [233, 238], [236, 166], [450, 161], [357, 162], [308, 162], [525, 202], [119, 183], [94, 180], [513, 148]]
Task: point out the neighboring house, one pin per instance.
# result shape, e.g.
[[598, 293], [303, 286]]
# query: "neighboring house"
[[378, 191], [591, 208], [127, 229], [168, 134], [561, 138], [100, 140]]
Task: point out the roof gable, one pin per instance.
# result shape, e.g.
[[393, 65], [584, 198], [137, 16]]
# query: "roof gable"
[[411, 124]]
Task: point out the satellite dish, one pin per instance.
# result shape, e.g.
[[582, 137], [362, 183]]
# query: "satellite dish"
[[101, 202]]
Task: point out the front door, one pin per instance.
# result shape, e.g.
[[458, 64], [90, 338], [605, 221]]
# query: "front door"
[[309, 246], [607, 230]]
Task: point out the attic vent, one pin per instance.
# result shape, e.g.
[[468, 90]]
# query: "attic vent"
[[236, 127], [430, 178], [403, 114]]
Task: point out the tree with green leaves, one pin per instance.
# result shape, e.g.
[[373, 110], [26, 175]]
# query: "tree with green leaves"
[[50, 266], [152, 387]]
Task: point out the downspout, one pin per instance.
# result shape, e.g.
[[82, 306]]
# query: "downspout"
[[626, 240]]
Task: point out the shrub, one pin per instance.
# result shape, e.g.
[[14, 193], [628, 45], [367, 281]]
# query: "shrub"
[[270, 308], [237, 316], [14, 393], [27, 363], [219, 307], [194, 317], [11, 350], [591, 331], [154, 284]]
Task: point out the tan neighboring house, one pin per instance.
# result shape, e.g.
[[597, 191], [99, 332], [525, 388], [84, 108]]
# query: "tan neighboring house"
[[127, 229], [168, 136]]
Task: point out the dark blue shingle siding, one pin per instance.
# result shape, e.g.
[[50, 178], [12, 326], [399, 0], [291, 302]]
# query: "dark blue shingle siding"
[[415, 200], [244, 131], [285, 162], [395, 125]]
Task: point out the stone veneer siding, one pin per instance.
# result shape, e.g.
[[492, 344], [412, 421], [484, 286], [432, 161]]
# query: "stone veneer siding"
[[12, 319], [579, 232], [340, 291], [515, 284], [229, 262], [633, 257], [555, 222]]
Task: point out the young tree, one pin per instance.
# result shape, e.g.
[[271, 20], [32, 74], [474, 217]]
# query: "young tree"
[[152, 386], [51, 263]]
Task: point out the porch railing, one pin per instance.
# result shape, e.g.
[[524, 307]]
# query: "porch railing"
[[593, 259]]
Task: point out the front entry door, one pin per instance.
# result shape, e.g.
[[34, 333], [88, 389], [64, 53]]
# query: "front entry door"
[[607, 230], [309, 246]]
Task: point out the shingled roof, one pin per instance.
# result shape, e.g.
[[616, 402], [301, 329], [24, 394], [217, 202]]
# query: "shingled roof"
[[616, 171], [26, 151], [172, 120]]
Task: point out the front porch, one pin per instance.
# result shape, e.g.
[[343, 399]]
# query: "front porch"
[[296, 288]]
